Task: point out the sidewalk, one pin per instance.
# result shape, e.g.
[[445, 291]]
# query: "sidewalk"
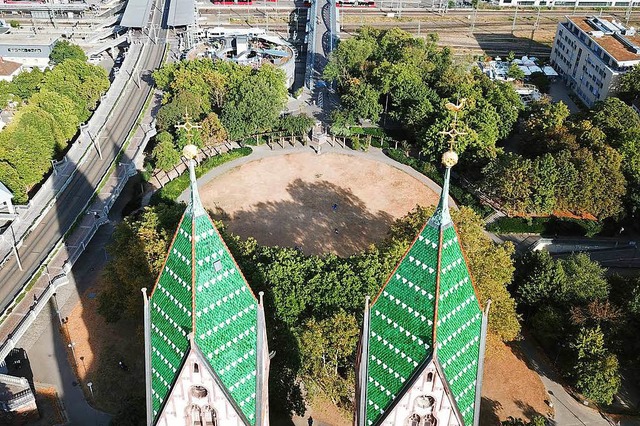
[[569, 412]]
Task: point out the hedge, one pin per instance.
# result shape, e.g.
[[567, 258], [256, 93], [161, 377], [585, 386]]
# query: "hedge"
[[548, 226]]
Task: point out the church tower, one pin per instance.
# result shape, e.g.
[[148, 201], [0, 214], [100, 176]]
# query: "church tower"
[[420, 357], [206, 355]]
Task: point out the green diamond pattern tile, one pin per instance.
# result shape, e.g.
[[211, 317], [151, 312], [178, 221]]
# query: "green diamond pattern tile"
[[225, 314], [170, 306], [226, 317], [458, 327], [402, 324]]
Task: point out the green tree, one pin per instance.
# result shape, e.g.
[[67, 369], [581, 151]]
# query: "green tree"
[[538, 279], [296, 124], [137, 253], [509, 178], [327, 348], [212, 132], [614, 118], [586, 280], [61, 108], [541, 81], [361, 100], [595, 371], [164, 153], [64, 50], [254, 101], [629, 84], [173, 113], [347, 60], [82, 82], [27, 83], [515, 72], [545, 116]]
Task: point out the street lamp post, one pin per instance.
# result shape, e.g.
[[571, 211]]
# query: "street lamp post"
[[90, 386], [72, 345]]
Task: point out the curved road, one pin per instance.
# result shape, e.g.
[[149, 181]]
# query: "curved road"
[[72, 201]]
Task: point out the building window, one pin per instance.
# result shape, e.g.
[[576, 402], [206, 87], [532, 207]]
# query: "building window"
[[217, 265], [430, 377], [414, 420], [196, 369]]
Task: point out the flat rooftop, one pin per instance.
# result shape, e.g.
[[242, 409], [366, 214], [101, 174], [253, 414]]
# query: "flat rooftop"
[[136, 13], [181, 13], [608, 42], [27, 39]]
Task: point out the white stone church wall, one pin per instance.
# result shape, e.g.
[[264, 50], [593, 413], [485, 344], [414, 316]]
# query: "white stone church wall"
[[425, 404], [185, 407]]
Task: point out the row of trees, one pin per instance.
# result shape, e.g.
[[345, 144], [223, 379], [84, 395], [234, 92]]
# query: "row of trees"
[[314, 303], [51, 106], [230, 101], [583, 318], [391, 74], [582, 164]]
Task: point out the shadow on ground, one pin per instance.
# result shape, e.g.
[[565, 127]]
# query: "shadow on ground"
[[502, 44], [308, 220], [488, 412]]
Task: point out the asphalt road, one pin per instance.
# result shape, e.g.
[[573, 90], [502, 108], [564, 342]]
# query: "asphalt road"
[[61, 216]]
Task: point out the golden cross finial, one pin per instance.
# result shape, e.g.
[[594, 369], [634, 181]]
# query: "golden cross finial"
[[187, 125], [454, 132], [450, 158]]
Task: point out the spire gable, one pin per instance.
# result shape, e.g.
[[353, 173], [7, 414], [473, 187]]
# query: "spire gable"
[[202, 302], [170, 307], [426, 314]]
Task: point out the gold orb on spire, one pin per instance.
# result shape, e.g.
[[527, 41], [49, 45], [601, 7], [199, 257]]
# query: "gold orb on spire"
[[190, 151], [450, 158]]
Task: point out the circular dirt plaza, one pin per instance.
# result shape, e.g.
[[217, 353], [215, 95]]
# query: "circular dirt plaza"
[[331, 203]]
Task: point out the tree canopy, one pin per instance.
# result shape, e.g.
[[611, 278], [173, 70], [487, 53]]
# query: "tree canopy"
[[54, 103], [567, 166], [230, 101], [64, 50], [573, 312], [409, 80]]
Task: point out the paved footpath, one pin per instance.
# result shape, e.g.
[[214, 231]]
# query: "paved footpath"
[[568, 411]]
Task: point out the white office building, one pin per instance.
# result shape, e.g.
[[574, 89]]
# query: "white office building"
[[591, 54]]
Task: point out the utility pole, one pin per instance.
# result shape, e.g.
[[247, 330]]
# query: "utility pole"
[[515, 16], [628, 14], [533, 31], [473, 21], [15, 249]]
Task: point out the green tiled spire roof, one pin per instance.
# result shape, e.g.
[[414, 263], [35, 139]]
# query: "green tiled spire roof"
[[202, 291], [428, 310]]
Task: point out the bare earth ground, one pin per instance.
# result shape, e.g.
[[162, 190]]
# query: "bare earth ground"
[[287, 201], [509, 386], [102, 345]]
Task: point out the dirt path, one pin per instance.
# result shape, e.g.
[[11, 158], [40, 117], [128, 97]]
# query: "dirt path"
[[288, 201]]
